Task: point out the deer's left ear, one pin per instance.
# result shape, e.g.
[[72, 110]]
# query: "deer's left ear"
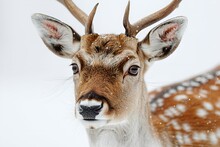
[[163, 39]]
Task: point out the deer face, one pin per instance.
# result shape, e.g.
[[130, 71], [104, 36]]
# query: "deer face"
[[108, 70], [107, 74]]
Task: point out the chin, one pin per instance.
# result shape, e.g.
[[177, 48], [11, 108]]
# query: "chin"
[[99, 123]]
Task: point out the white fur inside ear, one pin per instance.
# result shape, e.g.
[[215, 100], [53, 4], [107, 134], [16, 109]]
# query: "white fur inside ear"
[[54, 32]]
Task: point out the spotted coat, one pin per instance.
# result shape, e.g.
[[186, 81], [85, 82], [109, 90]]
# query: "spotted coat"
[[189, 111]]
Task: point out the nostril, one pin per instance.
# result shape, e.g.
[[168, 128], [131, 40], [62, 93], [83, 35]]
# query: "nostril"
[[97, 108], [80, 109]]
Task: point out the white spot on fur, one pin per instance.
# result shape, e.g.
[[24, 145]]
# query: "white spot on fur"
[[203, 91], [194, 84], [172, 91], [174, 111], [202, 95], [201, 79], [181, 107], [208, 106], [175, 125], [186, 127], [201, 113], [209, 76], [160, 102], [187, 139], [213, 138], [168, 113], [203, 136], [179, 137], [186, 84], [199, 136], [214, 87], [180, 97], [153, 107], [180, 88], [166, 95], [163, 118]]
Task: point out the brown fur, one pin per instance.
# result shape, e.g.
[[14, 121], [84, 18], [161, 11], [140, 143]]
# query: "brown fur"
[[108, 44]]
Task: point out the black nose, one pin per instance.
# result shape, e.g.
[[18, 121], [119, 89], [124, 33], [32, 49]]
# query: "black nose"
[[90, 112]]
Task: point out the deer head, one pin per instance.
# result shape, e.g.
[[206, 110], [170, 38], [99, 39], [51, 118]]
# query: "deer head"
[[108, 70]]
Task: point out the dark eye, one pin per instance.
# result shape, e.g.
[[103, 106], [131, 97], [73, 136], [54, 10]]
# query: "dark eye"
[[133, 70], [75, 68]]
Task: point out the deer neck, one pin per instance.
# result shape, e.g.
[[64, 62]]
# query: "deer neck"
[[136, 131]]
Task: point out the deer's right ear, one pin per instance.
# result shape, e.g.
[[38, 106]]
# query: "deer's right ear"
[[164, 38], [60, 38]]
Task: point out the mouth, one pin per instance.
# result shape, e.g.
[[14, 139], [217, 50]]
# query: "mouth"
[[93, 123]]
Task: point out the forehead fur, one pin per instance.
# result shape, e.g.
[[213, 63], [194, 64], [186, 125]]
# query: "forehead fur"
[[107, 44]]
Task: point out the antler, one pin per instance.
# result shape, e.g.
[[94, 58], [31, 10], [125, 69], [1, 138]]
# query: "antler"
[[88, 26], [81, 16], [133, 30]]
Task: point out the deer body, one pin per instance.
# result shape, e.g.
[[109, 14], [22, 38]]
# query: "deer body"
[[108, 72], [189, 111]]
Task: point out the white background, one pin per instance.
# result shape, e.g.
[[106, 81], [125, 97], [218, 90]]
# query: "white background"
[[36, 89]]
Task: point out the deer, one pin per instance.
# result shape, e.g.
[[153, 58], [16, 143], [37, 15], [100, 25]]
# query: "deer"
[[111, 98]]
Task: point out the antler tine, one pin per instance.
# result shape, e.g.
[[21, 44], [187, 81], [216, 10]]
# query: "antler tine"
[[88, 26], [133, 30], [126, 22], [75, 11]]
